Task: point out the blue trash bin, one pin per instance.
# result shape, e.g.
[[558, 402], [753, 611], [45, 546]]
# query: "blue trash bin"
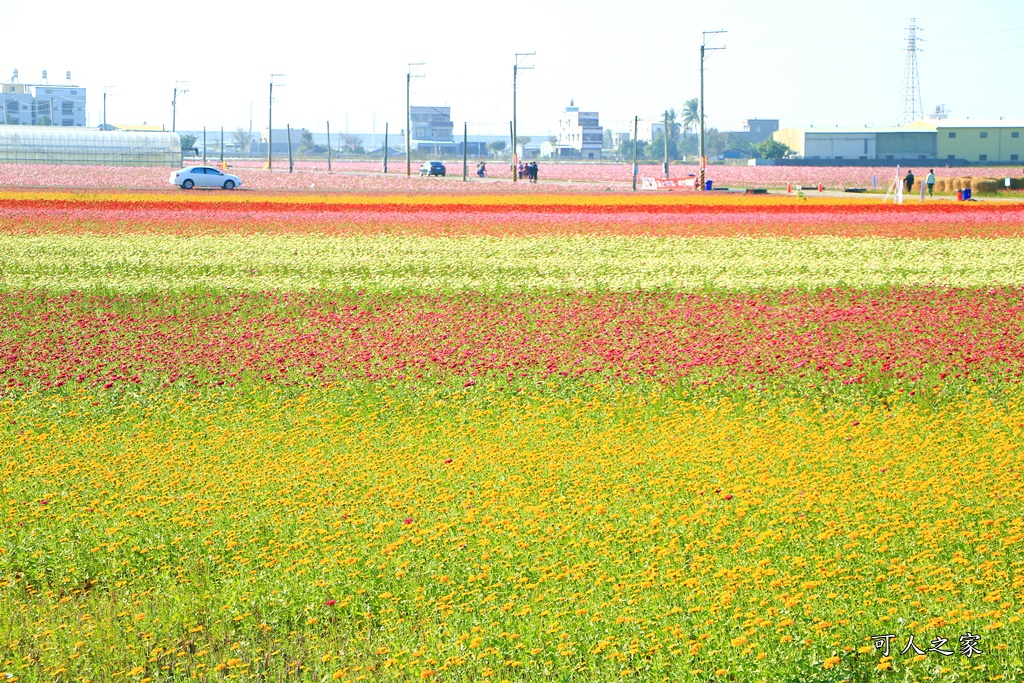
[[707, 184], [967, 194]]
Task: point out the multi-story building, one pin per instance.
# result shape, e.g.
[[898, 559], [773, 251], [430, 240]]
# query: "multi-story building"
[[431, 129], [579, 134], [42, 104]]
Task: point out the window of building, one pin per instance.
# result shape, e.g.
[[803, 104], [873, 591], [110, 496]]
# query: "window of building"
[[420, 133], [982, 157], [1015, 134], [1014, 157], [952, 133], [951, 157], [984, 133]]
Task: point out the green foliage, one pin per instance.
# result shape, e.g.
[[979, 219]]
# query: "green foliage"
[[691, 114], [625, 150], [498, 146], [773, 149], [242, 139], [308, 146], [188, 141]]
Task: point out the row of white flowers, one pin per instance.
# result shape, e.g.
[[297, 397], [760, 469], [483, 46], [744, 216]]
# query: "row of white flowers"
[[135, 263]]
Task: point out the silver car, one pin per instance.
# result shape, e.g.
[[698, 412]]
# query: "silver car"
[[204, 176]]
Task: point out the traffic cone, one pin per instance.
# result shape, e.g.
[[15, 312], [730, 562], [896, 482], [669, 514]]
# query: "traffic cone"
[[821, 187]]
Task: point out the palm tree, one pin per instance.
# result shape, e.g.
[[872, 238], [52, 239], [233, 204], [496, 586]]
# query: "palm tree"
[[691, 114], [670, 116]]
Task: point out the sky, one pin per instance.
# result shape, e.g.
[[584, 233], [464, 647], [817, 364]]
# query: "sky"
[[823, 64]]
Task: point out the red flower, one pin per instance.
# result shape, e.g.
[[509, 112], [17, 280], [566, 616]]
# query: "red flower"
[[728, 496], [331, 603], [449, 461], [407, 520]]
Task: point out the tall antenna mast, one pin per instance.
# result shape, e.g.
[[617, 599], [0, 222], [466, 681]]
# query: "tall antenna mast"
[[910, 96]]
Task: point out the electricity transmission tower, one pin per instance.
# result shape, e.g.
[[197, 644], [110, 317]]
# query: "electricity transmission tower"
[[910, 96]]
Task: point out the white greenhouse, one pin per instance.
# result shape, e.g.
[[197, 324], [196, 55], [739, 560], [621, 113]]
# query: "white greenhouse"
[[87, 147]]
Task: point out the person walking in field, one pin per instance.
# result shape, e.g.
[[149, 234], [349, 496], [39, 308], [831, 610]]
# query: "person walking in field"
[[908, 182], [930, 181]]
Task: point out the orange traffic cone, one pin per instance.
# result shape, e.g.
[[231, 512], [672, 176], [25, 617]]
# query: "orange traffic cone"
[[821, 187]]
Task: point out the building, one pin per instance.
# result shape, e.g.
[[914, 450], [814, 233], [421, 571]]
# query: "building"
[[934, 140], [979, 141], [580, 135], [431, 130], [259, 141], [908, 143], [77, 145], [646, 131], [756, 131], [42, 104]]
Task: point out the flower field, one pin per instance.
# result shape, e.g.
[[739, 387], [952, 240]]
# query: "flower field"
[[555, 177], [473, 436]]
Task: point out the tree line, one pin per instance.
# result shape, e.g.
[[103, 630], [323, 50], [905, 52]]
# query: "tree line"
[[683, 131]]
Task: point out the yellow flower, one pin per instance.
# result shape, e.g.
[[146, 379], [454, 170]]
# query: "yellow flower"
[[831, 662]]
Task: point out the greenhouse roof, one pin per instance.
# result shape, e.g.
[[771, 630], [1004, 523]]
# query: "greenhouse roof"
[[88, 146]]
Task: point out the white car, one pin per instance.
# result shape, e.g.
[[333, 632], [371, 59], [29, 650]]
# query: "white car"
[[204, 176]]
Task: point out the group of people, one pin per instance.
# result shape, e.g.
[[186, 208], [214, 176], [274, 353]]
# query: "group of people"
[[929, 181], [528, 171], [481, 170]]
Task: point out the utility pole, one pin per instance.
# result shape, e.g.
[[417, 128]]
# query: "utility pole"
[[665, 134], [328, 146], [515, 149], [465, 151], [222, 146], [385, 148], [636, 126], [174, 104], [408, 116], [704, 48], [105, 104], [290, 164], [204, 145], [512, 137], [270, 123]]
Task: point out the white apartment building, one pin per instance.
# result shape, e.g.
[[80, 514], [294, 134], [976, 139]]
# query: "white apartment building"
[[579, 134], [647, 130], [41, 104]]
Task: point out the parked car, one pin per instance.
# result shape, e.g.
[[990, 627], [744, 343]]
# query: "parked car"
[[204, 176], [430, 168]]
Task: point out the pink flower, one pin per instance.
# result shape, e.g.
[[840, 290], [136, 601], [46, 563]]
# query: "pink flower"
[[407, 520]]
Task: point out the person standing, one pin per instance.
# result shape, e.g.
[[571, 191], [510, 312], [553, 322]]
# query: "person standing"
[[930, 181], [908, 182]]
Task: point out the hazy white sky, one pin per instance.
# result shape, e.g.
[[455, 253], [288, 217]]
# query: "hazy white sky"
[[820, 63]]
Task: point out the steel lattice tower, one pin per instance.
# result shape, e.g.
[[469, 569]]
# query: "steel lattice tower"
[[910, 96]]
